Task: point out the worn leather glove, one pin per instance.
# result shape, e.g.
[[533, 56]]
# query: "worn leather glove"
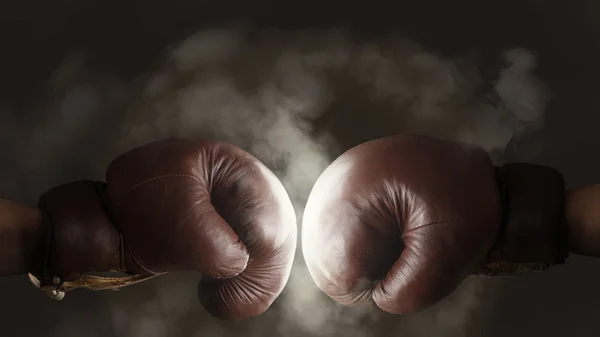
[[177, 204], [404, 220]]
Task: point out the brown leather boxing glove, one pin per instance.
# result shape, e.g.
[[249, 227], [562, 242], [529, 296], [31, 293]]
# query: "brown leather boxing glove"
[[404, 220], [177, 204]]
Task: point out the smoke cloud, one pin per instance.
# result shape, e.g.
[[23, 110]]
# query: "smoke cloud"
[[295, 101]]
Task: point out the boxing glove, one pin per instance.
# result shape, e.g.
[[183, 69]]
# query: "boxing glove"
[[176, 204], [404, 220]]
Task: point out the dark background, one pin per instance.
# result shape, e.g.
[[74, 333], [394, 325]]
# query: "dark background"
[[127, 37]]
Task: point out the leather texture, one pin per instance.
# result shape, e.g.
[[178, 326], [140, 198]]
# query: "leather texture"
[[178, 204], [404, 220]]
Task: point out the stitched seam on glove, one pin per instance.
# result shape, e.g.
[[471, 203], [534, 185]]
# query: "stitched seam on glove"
[[441, 222], [137, 260], [161, 177]]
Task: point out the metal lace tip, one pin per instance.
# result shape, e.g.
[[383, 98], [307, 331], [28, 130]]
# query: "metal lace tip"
[[36, 283], [54, 293]]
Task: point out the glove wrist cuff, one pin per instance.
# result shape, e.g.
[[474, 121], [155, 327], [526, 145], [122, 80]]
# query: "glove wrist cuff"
[[79, 235], [533, 226]]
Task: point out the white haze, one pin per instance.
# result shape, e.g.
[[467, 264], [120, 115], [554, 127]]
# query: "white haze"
[[263, 93]]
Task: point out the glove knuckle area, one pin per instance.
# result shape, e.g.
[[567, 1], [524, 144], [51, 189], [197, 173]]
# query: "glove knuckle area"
[[350, 233], [82, 238], [213, 208], [348, 257], [259, 210], [401, 220]]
